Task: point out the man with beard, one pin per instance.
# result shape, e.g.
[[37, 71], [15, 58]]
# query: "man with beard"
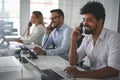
[[59, 37], [100, 45]]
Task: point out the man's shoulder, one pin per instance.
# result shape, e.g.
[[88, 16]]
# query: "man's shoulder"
[[111, 33], [66, 27], [69, 27], [111, 36]]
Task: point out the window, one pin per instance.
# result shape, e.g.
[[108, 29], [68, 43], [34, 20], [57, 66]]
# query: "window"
[[10, 11], [44, 6]]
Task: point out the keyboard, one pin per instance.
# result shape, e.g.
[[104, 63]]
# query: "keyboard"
[[49, 74]]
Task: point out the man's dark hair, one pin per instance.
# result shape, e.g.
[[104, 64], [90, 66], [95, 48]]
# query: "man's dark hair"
[[59, 11], [95, 8]]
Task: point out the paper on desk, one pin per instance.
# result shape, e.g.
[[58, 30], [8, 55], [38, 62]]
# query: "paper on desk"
[[9, 64]]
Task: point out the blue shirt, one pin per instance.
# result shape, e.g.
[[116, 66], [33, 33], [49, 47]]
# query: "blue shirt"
[[61, 39]]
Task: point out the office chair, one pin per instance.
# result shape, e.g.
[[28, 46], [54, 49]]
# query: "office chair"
[[8, 29]]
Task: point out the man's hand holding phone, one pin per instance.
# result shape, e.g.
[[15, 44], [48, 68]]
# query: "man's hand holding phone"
[[49, 28], [77, 33]]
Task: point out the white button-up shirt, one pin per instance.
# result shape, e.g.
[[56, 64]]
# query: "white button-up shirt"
[[106, 51]]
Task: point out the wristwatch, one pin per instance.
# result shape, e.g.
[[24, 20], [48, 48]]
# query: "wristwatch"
[[44, 52]]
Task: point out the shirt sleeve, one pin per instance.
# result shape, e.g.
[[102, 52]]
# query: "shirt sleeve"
[[114, 52]]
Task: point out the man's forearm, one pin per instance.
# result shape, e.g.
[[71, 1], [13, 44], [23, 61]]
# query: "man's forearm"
[[73, 57], [102, 73]]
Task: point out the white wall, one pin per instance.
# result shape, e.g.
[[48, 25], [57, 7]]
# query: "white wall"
[[24, 15], [112, 13], [71, 9]]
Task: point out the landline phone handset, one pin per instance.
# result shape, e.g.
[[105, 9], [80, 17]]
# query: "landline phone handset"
[[81, 28], [32, 54], [30, 24], [51, 26]]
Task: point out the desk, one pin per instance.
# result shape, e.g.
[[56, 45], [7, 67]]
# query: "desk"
[[56, 63], [12, 38], [11, 69]]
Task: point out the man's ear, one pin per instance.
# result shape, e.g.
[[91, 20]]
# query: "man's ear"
[[61, 17], [100, 21]]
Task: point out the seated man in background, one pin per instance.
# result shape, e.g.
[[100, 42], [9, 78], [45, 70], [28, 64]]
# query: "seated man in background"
[[101, 46], [59, 37], [38, 30]]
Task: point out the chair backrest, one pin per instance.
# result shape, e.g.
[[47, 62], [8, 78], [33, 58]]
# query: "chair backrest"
[[8, 24], [1, 26], [1, 23]]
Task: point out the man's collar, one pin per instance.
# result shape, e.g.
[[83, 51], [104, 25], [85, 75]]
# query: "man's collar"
[[102, 34], [61, 28]]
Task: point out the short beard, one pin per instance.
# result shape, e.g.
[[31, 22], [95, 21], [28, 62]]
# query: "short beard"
[[91, 31], [88, 32]]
